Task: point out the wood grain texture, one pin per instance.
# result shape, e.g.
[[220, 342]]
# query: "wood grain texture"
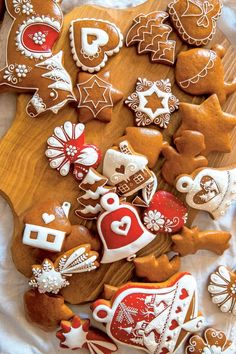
[[25, 175]]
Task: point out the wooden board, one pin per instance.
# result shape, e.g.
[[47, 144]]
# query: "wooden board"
[[25, 176]]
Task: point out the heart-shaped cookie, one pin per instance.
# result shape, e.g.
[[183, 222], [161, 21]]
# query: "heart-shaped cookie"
[[93, 41]]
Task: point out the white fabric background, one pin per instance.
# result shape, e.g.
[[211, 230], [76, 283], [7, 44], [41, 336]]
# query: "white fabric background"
[[17, 336]]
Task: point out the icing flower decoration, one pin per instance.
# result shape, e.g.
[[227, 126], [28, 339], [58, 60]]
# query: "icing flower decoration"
[[222, 288], [51, 277], [214, 342], [67, 147]]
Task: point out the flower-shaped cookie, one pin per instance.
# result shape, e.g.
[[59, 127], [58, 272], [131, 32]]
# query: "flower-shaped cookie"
[[222, 288], [214, 342]]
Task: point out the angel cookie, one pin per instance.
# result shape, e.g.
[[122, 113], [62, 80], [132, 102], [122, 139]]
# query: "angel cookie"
[[200, 71], [31, 64], [154, 317], [93, 41], [195, 20], [209, 189], [96, 97], [152, 102], [67, 148], [152, 36]]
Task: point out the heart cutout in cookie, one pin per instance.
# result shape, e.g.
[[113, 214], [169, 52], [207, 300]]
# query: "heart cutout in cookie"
[[184, 294], [92, 41], [121, 227], [47, 218], [209, 190]]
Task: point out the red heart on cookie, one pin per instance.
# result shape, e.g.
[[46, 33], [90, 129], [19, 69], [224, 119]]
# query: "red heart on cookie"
[[184, 294], [174, 324], [166, 213]]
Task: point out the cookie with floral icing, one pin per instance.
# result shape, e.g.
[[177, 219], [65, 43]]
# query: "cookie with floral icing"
[[155, 317], [31, 64], [195, 20], [222, 288], [152, 37], [152, 102], [96, 97], [67, 148], [212, 341], [93, 41], [200, 71], [78, 334]]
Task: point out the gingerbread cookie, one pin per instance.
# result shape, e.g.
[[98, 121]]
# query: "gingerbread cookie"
[[46, 225], [208, 119], [67, 147], [152, 36], [155, 317], [222, 288], [93, 41], [96, 97], [128, 171], [93, 187], [44, 310], [152, 102], [185, 158], [156, 269], [141, 139], [200, 71], [213, 341], [189, 241], [195, 20], [31, 64], [51, 277], [121, 230], [209, 189], [78, 334], [166, 213]]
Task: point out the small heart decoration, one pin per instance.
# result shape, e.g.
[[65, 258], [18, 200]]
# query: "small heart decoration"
[[164, 351], [121, 169], [178, 310], [47, 218], [121, 227], [174, 324], [184, 294], [209, 190]]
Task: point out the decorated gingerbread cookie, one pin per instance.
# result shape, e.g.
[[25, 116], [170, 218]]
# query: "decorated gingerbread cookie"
[[67, 147], [208, 119], [189, 241], [121, 230], [152, 102], [31, 64], [128, 172], [93, 41], [94, 186], [155, 317], [166, 213], [45, 310], [78, 334], [96, 97], [51, 277], [195, 20], [222, 288], [152, 36], [209, 189], [213, 341], [200, 71], [156, 269], [185, 158]]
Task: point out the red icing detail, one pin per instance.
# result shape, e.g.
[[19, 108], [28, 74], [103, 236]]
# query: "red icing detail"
[[114, 240], [174, 324], [178, 310], [51, 36], [164, 351], [102, 314], [171, 208], [110, 201], [184, 294]]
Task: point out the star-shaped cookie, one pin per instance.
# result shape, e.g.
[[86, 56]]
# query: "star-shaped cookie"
[[209, 119], [96, 97]]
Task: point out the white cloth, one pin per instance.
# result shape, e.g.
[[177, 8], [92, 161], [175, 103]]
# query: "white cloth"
[[17, 336]]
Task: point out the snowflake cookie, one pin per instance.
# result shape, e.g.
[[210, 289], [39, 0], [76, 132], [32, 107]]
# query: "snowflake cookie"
[[213, 342], [152, 102], [222, 288]]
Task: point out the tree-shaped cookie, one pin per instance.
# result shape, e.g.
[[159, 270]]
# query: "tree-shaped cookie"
[[185, 158]]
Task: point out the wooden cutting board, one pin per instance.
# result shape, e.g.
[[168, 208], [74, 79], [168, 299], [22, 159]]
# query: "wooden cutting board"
[[25, 175]]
